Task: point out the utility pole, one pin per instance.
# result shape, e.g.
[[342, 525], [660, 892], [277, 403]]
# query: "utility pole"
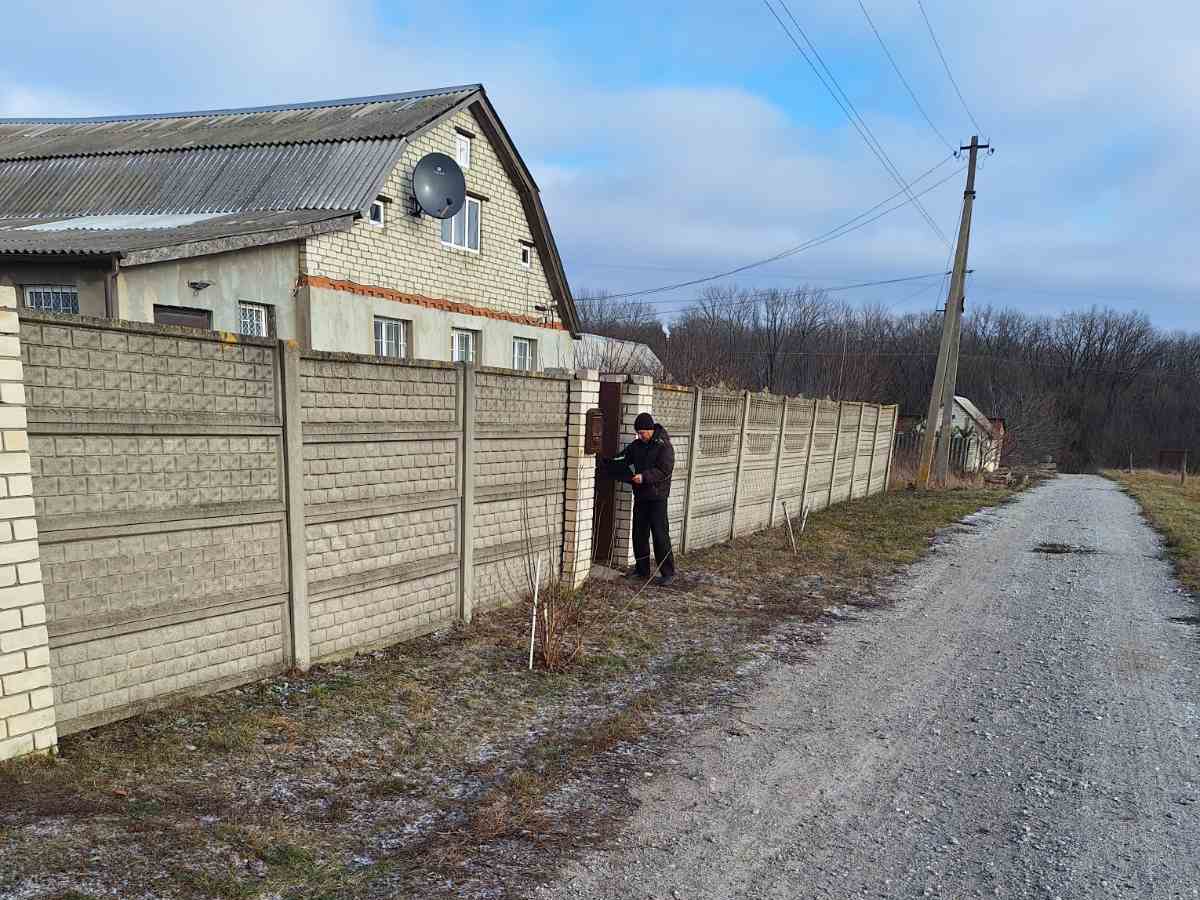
[[941, 395]]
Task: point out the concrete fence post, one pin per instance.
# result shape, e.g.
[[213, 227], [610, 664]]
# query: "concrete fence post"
[[874, 448], [300, 645], [27, 717], [812, 430], [837, 440], [693, 457], [466, 517], [778, 461], [637, 396], [579, 501], [737, 475]]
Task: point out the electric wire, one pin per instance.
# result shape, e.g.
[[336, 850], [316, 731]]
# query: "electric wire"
[[754, 295], [946, 66], [833, 234], [903, 80], [847, 107]]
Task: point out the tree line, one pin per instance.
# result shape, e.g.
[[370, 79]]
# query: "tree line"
[[1091, 388]]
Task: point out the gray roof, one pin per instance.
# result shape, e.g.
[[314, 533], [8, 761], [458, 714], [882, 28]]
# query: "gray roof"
[[973, 411], [329, 155], [352, 119], [42, 236]]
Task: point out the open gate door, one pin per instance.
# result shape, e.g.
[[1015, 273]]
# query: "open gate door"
[[604, 508]]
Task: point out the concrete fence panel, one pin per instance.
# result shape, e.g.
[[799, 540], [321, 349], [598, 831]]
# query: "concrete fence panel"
[[157, 466], [673, 408]]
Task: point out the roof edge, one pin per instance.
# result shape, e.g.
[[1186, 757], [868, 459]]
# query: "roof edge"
[[233, 111]]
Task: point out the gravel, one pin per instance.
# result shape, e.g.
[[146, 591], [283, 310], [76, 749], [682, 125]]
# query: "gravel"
[[1019, 724]]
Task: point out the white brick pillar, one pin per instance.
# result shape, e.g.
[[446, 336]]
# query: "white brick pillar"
[[581, 480], [26, 696], [637, 396]]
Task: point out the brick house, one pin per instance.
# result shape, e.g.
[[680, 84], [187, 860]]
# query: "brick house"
[[291, 221]]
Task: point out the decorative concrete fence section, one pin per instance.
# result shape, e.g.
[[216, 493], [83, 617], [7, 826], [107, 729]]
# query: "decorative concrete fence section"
[[157, 467], [739, 457], [214, 508]]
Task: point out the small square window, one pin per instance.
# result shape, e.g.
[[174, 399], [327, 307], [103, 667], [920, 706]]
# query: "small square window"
[[56, 298], [526, 256], [391, 338], [462, 151], [524, 354], [377, 213], [255, 319], [463, 345]]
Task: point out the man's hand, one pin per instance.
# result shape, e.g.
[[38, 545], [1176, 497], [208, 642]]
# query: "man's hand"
[[636, 479]]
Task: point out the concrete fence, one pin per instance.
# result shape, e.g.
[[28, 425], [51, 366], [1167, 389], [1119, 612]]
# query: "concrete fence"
[[740, 457], [183, 511]]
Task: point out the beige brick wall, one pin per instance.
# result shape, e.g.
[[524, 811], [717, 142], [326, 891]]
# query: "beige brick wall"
[[408, 255], [27, 715]]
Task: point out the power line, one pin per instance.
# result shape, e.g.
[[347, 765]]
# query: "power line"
[[751, 296], [946, 65], [903, 80], [834, 233], [848, 108]]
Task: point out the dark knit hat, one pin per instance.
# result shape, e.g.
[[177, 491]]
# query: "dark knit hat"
[[644, 422]]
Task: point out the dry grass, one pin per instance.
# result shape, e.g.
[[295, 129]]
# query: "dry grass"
[[904, 476], [440, 767], [1174, 509]]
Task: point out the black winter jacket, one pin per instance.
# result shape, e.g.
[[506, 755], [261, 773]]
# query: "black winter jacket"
[[654, 460]]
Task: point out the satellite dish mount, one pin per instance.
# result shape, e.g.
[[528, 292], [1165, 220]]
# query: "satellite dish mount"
[[439, 189]]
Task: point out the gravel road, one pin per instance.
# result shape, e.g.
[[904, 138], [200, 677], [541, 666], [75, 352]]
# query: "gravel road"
[[1020, 724]]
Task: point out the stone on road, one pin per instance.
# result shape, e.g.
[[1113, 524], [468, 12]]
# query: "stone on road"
[[1020, 724]]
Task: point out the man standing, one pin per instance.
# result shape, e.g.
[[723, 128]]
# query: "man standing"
[[647, 464]]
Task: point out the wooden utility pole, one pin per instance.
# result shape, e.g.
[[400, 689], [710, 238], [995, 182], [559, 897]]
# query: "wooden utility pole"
[[941, 395]]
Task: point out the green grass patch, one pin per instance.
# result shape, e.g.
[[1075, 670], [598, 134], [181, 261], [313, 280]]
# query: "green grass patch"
[[1174, 509]]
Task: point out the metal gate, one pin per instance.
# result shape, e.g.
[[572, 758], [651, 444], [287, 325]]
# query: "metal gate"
[[604, 508]]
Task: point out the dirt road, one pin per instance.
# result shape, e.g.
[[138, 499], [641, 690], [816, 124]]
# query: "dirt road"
[[1020, 724]]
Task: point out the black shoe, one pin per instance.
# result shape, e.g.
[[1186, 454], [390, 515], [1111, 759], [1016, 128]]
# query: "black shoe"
[[664, 580], [635, 575]]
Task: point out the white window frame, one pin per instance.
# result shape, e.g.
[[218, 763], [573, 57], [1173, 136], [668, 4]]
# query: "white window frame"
[[462, 151], [382, 207], [260, 309], [398, 340], [465, 213], [473, 339], [530, 346], [51, 294], [526, 257]]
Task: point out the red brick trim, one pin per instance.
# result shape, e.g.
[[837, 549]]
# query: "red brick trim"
[[371, 290]]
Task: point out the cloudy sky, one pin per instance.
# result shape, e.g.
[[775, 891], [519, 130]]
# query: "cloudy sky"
[[674, 140]]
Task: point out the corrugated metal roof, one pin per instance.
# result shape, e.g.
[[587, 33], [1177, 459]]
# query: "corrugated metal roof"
[[339, 175], [28, 236], [352, 119]]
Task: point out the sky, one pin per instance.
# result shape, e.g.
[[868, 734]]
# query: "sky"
[[671, 140]]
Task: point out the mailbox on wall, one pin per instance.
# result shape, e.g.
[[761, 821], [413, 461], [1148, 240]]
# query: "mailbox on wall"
[[594, 435]]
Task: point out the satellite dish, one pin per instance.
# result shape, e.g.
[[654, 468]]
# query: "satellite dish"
[[439, 188]]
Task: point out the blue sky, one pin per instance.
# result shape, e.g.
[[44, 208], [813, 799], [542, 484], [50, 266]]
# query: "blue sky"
[[676, 139]]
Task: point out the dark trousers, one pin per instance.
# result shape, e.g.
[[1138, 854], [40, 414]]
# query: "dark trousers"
[[650, 520]]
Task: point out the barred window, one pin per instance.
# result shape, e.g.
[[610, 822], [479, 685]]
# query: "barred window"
[[58, 298], [254, 319], [524, 354]]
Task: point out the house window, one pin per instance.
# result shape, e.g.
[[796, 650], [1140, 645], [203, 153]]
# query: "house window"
[[391, 338], [524, 354], [463, 229], [463, 344], [58, 298], [462, 151], [526, 256], [376, 214], [183, 315], [255, 319]]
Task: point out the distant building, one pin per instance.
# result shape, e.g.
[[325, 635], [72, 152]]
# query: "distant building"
[[607, 354]]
